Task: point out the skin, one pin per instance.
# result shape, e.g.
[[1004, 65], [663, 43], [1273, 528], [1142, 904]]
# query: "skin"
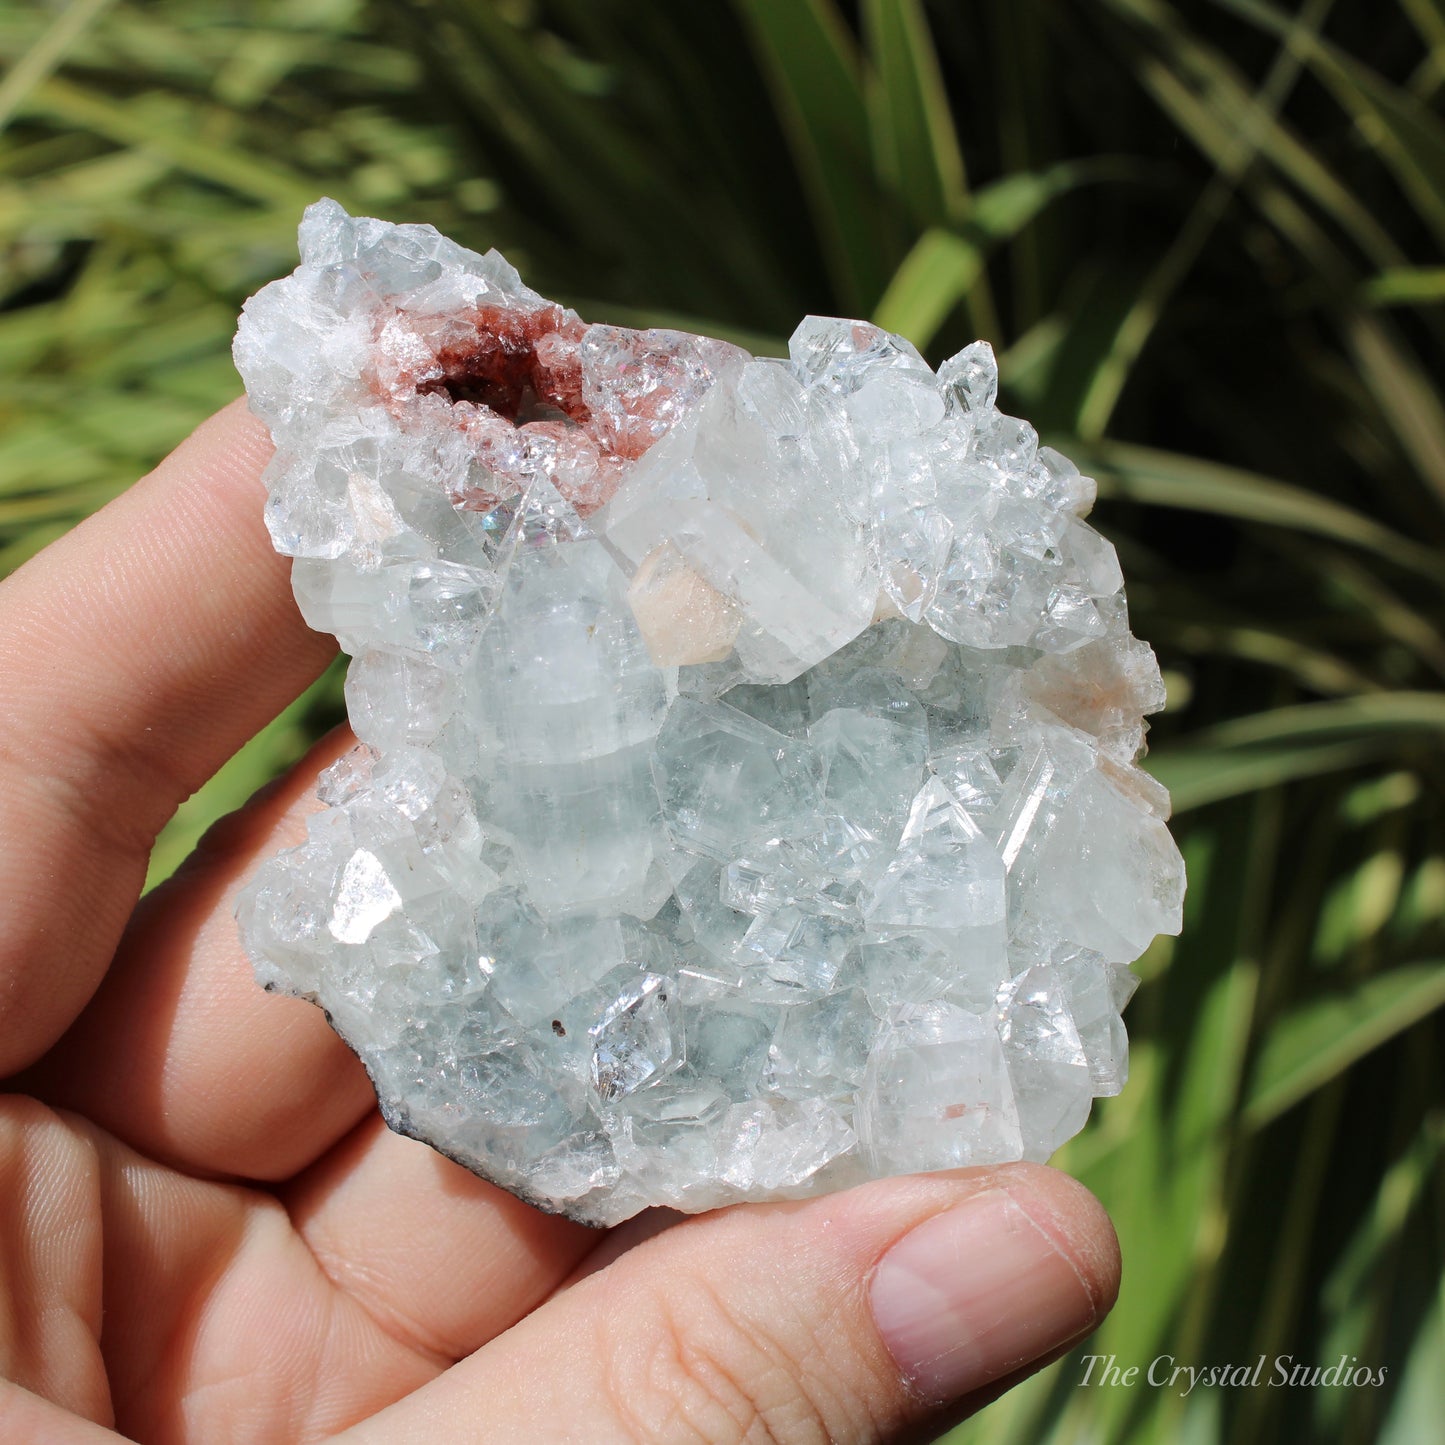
[[206, 1233]]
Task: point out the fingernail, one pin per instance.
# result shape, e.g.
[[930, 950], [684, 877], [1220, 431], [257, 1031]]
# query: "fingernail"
[[974, 1293]]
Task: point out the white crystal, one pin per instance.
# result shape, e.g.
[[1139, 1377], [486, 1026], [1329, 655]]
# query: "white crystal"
[[365, 898], [945, 874], [724, 778], [632, 1042], [746, 802], [938, 1094]]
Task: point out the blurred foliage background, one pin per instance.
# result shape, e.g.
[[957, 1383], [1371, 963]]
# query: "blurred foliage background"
[[1205, 239]]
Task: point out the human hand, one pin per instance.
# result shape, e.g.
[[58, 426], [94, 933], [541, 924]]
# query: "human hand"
[[207, 1233]]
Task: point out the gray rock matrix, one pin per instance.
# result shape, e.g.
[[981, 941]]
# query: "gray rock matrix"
[[746, 802]]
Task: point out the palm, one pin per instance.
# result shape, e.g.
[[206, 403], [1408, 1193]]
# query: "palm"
[[370, 1264], [207, 1233], [218, 1317]]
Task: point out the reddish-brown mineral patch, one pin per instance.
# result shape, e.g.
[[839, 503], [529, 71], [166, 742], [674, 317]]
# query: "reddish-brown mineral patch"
[[513, 375], [501, 367]]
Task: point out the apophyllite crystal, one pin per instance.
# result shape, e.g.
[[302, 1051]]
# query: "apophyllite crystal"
[[746, 803]]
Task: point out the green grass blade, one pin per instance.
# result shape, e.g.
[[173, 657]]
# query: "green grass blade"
[[1428, 17], [1205, 94], [1410, 139], [1419, 1404], [935, 276], [1197, 777], [1405, 393], [1406, 286], [944, 266], [1289, 652], [909, 114], [47, 52], [1286, 744], [1113, 369], [814, 69], [1395, 619], [137, 124], [1350, 1293], [1381, 714], [1171, 479], [1322, 1038]]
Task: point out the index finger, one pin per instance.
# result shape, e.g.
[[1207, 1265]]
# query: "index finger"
[[137, 654]]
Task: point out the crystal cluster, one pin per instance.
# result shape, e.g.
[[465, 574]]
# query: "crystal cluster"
[[746, 800]]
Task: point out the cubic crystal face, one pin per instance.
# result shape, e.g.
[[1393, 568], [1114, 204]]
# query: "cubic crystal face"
[[746, 802]]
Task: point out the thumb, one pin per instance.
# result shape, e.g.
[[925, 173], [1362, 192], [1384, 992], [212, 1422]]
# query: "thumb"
[[863, 1316]]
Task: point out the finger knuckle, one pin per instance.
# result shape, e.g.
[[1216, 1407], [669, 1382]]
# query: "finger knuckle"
[[704, 1369]]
